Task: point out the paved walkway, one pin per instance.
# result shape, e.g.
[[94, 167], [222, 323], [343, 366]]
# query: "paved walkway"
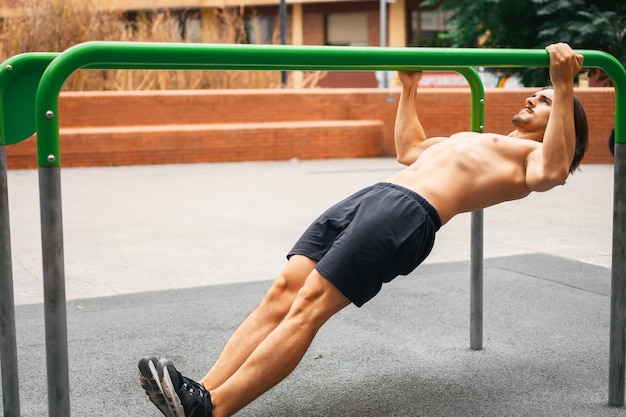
[[167, 260], [135, 229]]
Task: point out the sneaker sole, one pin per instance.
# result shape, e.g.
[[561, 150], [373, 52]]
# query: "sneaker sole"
[[167, 387], [149, 378]]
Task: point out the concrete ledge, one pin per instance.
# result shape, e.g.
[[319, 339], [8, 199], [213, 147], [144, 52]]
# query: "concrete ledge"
[[167, 144]]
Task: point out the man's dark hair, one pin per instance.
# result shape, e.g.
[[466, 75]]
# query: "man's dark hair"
[[582, 134]]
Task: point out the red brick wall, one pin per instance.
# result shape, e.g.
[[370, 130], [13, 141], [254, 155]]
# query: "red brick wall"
[[373, 28], [128, 128], [312, 35]]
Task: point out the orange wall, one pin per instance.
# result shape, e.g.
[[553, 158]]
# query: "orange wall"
[[130, 128]]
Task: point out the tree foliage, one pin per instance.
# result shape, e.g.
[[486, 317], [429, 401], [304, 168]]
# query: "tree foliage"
[[584, 24]]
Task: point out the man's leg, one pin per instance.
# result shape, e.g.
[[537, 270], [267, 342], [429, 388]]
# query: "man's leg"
[[281, 349], [267, 315]]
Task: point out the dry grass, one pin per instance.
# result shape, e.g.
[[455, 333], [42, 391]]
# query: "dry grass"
[[55, 25]]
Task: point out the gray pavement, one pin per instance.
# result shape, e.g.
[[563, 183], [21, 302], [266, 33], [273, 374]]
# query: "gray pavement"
[[168, 259]]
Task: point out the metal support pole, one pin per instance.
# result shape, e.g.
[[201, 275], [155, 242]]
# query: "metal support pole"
[[617, 347], [54, 292], [8, 343], [476, 281], [282, 8], [383, 37]]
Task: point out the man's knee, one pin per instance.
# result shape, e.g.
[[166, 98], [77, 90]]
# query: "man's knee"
[[280, 291], [317, 300], [292, 278], [285, 287]]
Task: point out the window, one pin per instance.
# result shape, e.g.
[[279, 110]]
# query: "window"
[[346, 29], [425, 27], [259, 29]]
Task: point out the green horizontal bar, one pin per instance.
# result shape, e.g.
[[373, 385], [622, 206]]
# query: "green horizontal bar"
[[20, 75], [175, 56]]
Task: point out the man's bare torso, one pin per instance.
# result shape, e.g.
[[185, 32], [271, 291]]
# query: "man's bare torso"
[[469, 171]]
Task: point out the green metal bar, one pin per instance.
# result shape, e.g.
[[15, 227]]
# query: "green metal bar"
[[128, 55], [478, 96], [124, 55], [19, 78]]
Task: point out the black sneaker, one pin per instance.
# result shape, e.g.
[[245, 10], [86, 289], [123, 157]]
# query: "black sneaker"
[[149, 378], [185, 397]]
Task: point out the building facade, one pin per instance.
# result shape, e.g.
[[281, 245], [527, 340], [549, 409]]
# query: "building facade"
[[301, 22]]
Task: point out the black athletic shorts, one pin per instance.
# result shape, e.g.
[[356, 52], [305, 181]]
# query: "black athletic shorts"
[[369, 238]]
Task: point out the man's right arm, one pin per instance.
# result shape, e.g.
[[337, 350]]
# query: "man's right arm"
[[408, 133]]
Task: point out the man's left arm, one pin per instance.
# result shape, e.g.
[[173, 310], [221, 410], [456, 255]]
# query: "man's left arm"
[[549, 165]]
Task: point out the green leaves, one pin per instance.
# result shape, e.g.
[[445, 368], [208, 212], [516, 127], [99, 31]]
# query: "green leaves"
[[584, 24], [548, 7]]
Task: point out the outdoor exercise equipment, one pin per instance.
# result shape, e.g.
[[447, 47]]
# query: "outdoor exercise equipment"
[[126, 55], [17, 122]]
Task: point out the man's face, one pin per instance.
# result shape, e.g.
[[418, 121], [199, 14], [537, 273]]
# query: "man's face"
[[536, 111]]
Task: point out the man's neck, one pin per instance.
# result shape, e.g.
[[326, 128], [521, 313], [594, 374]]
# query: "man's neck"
[[537, 137]]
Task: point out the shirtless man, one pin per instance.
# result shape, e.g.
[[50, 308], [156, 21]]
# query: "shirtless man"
[[380, 232]]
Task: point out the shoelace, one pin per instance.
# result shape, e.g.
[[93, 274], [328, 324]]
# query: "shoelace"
[[198, 398]]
